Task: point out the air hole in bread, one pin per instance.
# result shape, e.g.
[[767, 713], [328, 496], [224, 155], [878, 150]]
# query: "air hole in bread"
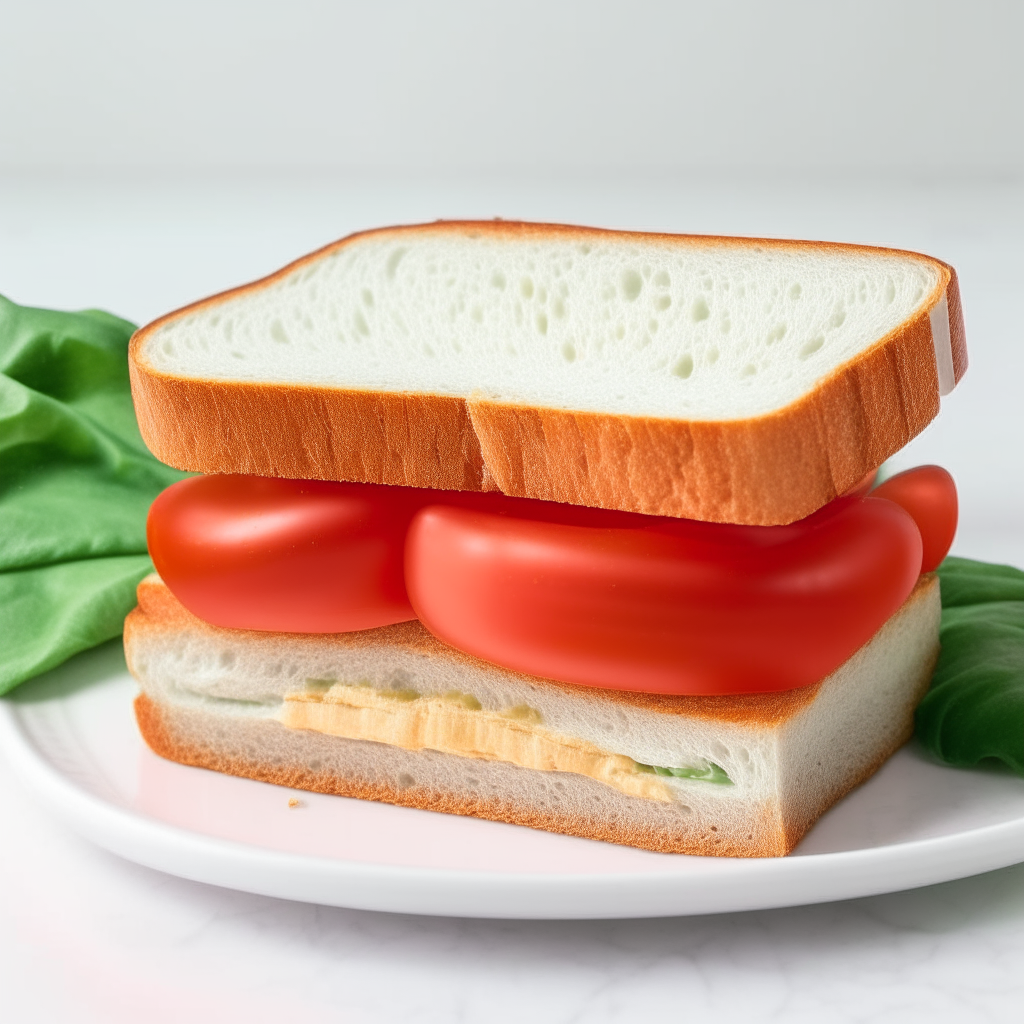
[[684, 366], [810, 347], [278, 333], [632, 284]]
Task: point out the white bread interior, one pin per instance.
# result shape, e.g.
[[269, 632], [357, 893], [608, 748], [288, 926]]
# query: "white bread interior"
[[733, 380], [624, 326], [218, 698]]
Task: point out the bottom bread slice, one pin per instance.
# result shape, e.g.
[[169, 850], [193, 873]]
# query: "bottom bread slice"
[[395, 715]]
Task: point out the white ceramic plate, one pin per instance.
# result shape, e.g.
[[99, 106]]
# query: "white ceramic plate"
[[71, 737]]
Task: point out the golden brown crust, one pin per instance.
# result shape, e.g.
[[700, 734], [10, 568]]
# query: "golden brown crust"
[[767, 838], [764, 470], [307, 433]]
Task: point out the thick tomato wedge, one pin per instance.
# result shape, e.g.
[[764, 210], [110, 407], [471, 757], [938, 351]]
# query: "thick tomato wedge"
[[676, 607], [929, 495], [297, 556]]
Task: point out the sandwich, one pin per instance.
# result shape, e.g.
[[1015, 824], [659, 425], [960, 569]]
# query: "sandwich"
[[567, 528]]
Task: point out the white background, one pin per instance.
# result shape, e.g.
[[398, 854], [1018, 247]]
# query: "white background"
[[151, 154], [929, 86]]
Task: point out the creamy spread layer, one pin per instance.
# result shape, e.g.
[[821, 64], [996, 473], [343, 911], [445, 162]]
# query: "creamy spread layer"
[[456, 724]]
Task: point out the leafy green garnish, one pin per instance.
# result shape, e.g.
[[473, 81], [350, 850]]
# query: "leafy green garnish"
[[76, 482], [706, 773], [974, 711]]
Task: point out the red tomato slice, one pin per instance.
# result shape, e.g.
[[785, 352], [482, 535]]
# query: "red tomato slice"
[[298, 556], [680, 607], [928, 493], [306, 556]]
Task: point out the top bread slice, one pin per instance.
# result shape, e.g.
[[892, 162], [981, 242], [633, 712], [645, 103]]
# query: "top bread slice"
[[730, 380]]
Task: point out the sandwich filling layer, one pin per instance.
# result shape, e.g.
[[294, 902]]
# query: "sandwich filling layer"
[[455, 723]]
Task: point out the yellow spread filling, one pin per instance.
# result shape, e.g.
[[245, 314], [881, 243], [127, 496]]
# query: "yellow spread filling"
[[456, 724]]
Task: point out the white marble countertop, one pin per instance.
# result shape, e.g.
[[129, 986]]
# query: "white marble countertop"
[[87, 937]]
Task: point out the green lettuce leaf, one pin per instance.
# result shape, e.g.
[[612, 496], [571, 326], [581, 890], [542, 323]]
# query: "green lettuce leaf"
[[974, 711], [76, 482]]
